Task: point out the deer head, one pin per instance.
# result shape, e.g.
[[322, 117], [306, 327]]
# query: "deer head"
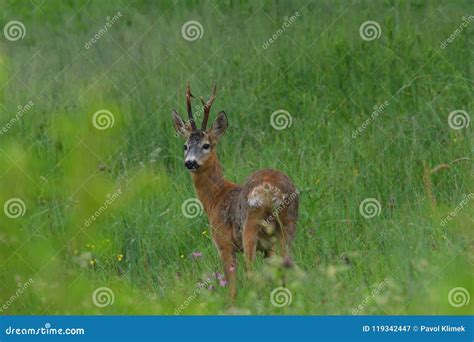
[[200, 143]]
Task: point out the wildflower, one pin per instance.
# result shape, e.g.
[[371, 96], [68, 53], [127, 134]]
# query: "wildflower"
[[92, 262], [287, 262], [120, 257], [196, 255], [223, 282]]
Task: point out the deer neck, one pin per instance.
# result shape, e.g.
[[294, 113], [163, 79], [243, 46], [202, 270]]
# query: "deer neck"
[[208, 181]]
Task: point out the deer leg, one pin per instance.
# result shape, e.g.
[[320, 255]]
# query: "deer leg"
[[286, 237], [269, 253], [228, 261], [284, 248], [250, 239]]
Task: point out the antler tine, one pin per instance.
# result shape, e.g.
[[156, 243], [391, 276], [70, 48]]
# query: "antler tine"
[[207, 107], [188, 105]]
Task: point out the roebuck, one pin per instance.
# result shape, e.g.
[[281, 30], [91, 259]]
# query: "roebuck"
[[249, 217]]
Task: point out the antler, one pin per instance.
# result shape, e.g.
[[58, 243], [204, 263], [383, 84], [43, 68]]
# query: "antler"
[[207, 107], [188, 104]]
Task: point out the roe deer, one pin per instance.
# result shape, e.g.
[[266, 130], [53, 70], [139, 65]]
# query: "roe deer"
[[247, 217]]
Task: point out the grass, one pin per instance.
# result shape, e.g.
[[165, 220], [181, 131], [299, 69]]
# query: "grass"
[[403, 261]]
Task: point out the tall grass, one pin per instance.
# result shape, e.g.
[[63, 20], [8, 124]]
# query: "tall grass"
[[319, 70]]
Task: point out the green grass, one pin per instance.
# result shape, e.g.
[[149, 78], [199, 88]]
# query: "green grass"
[[319, 70]]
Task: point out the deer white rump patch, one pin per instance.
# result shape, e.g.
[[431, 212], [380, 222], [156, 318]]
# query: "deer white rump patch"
[[265, 194]]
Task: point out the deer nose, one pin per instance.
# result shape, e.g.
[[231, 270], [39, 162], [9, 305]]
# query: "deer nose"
[[191, 164]]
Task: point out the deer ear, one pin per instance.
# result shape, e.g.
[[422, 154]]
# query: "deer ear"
[[181, 128], [220, 125]]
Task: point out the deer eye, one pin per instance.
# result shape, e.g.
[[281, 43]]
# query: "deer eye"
[[185, 147], [206, 146]]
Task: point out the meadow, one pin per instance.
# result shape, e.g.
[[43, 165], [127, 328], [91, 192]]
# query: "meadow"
[[371, 123]]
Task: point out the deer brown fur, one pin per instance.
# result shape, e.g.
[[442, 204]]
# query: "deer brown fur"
[[260, 215]]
